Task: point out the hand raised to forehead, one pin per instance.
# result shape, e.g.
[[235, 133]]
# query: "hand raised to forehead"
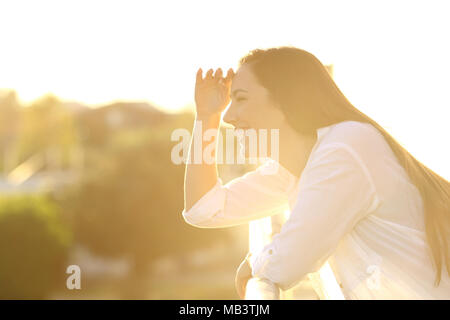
[[212, 92]]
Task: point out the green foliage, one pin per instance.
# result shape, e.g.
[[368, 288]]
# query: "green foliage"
[[132, 206], [47, 125], [34, 242]]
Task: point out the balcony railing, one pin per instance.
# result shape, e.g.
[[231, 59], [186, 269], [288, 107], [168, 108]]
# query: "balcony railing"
[[260, 233]]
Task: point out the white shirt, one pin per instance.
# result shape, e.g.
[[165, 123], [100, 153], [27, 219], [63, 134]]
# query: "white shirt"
[[354, 206]]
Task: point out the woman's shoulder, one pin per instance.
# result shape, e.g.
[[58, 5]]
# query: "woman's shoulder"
[[358, 135]]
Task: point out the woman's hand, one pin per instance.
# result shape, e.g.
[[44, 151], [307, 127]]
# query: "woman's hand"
[[212, 94], [243, 274]]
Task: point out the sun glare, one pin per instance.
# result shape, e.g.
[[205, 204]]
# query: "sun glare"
[[96, 52]]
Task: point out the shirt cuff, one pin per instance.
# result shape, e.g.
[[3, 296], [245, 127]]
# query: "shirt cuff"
[[258, 261], [206, 207]]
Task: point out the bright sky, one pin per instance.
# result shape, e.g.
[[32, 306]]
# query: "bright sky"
[[390, 57]]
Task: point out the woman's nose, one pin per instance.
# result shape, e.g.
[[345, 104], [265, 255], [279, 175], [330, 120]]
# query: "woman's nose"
[[229, 117]]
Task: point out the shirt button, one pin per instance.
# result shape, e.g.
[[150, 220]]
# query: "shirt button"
[[270, 251]]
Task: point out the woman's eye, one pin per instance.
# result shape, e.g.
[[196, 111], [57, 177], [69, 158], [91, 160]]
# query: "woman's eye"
[[240, 99]]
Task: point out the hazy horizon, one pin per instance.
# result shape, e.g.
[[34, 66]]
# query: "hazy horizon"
[[389, 58]]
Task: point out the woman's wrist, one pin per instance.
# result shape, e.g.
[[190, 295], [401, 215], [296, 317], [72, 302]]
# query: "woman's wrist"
[[207, 116], [209, 119]]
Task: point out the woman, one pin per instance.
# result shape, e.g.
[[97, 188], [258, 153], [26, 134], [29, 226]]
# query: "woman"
[[357, 198]]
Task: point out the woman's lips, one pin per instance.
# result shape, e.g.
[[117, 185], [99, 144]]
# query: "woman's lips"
[[242, 128]]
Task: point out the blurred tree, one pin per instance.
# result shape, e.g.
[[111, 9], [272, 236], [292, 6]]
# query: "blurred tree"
[[130, 200], [34, 242], [48, 126], [10, 116]]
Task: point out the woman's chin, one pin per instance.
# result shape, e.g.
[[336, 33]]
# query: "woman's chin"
[[241, 152], [245, 153]]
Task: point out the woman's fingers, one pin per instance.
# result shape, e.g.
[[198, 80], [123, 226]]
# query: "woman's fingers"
[[208, 75], [240, 288], [211, 92], [229, 77], [242, 293], [218, 74], [199, 77], [243, 274]]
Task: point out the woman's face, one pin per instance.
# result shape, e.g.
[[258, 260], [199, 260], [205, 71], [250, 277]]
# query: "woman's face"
[[251, 107]]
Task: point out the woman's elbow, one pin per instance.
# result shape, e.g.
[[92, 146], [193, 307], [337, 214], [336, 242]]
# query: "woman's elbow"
[[200, 222]]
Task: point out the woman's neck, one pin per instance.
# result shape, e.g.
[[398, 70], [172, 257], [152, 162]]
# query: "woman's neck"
[[295, 149]]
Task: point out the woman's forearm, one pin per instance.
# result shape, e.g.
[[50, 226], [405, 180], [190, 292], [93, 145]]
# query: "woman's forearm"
[[200, 177]]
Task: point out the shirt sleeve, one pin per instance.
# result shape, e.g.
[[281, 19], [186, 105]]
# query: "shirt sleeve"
[[259, 193], [335, 192]]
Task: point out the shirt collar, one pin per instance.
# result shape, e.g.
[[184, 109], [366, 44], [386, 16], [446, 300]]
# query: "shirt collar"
[[322, 131], [293, 180]]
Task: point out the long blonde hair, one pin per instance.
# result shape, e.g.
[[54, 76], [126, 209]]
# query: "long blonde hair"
[[310, 98]]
